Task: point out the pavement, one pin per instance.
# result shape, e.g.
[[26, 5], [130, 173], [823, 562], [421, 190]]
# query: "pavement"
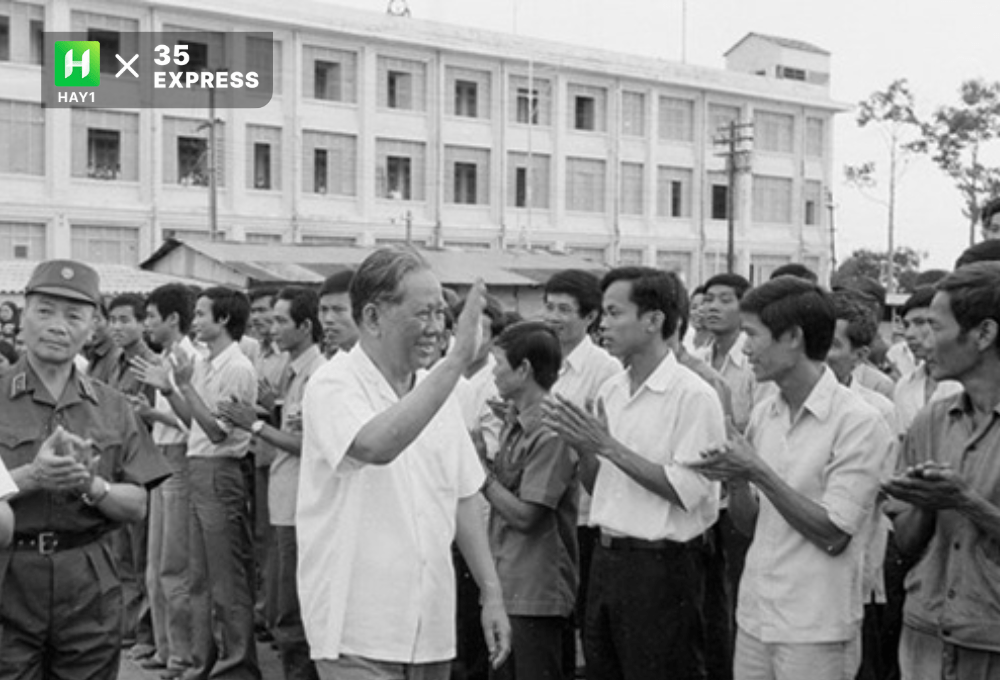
[[267, 656]]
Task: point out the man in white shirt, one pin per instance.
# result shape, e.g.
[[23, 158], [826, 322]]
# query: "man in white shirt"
[[813, 455], [389, 479], [644, 608], [7, 488]]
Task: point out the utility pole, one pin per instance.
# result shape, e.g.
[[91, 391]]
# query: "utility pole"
[[831, 206], [736, 143], [213, 184]]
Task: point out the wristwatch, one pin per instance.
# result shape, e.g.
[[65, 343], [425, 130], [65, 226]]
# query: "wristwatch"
[[257, 426], [103, 490]]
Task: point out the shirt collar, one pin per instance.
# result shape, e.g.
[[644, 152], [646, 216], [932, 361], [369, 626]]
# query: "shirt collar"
[[24, 380], [659, 380], [530, 418], [820, 399], [304, 359], [225, 356], [577, 358], [735, 354]]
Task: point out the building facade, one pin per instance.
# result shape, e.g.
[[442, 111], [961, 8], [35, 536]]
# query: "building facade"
[[385, 128]]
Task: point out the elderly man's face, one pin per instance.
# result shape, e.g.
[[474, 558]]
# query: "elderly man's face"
[[412, 328], [54, 328]]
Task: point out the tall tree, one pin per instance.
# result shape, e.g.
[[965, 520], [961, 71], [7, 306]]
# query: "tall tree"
[[893, 113], [871, 264], [957, 139]]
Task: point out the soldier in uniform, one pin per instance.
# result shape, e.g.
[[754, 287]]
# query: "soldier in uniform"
[[83, 465]]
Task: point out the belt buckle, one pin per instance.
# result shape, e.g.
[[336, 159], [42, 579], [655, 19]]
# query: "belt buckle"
[[47, 542]]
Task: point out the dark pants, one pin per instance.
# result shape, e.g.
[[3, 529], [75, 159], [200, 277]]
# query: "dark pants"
[[131, 544], [472, 660], [285, 614], [644, 613], [60, 614], [258, 481], [723, 569], [883, 624], [222, 638], [537, 652]]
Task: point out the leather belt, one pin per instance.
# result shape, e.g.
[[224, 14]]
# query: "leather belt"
[[48, 542]]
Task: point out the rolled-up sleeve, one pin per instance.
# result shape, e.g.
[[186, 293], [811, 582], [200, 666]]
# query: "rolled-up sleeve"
[[693, 488], [853, 474], [334, 410]]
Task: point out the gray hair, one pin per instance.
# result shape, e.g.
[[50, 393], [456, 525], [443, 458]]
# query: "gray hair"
[[380, 275]]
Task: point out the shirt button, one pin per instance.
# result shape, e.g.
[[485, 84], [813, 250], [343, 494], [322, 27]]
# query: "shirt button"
[[951, 594], [958, 546]]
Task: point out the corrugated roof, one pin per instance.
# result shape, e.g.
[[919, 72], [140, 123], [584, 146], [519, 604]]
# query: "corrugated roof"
[[115, 278], [270, 263]]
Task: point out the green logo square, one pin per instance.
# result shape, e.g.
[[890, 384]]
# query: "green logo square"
[[77, 63]]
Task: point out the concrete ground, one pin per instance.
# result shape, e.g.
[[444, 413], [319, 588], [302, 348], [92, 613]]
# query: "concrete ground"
[[270, 666]]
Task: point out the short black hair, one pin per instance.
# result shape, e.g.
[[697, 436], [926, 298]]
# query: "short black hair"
[[303, 306], [133, 300], [231, 305], [336, 284], [796, 269], [262, 292], [974, 295], [581, 285], [174, 298], [652, 291], [738, 283], [929, 277], [861, 324], [866, 285], [536, 343], [984, 251], [989, 209], [919, 299], [683, 304], [787, 302]]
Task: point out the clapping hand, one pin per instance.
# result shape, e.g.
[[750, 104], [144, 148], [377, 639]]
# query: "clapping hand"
[[929, 485], [735, 460], [64, 462]]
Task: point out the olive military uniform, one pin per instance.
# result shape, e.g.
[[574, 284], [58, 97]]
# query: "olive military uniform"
[[60, 596]]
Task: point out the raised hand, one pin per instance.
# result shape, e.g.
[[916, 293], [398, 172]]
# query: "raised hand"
[[468, 329], [236, 412], [155, 373]]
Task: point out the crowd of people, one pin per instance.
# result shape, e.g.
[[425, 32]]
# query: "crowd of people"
[[385, 480]]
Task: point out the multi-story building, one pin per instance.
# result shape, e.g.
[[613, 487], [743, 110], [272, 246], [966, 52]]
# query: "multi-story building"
[[383, 126]]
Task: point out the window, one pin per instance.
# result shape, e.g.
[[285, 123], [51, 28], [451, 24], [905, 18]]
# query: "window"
[[465, 98], [192, 161], [471, 92], [103, 153], [329, 74], [677, 261], [815, 139], [190, 165], [399, 181], [813, 194], [634, 114], [263, 157], [773, 132], [673, 192], [4, 38], [762, 266], [719, 208], [22, 241], [585, 184], [264, 57], [588, 107], [36, 30], [198, 52], [402, 84], [263, 238], [789, 73], [772, 200], [529, 179], [531, 103], [631, 197], [110, 46], [676, 119], [467, 174], [630, 257], [22, 138], [330, 163], [400, 169], [105, 245]]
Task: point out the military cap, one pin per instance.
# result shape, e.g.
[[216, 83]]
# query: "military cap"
[[66, 279]]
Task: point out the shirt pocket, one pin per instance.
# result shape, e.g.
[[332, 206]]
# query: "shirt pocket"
[[18, 444]]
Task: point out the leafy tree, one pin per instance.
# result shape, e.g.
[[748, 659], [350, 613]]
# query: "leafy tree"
[[956, 138], [872, 264], [893, 113]]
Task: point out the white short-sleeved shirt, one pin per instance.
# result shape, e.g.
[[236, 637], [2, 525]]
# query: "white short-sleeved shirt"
[[793, 591], [7, 486], [583, 372], [472, 394], [375, 569], [222, 378], [670, 420], [163, 434]]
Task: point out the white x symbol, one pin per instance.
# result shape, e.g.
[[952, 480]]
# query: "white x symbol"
[[127, 66]]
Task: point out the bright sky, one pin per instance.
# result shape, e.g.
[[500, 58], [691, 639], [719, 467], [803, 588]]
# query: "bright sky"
[[936, 46]]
